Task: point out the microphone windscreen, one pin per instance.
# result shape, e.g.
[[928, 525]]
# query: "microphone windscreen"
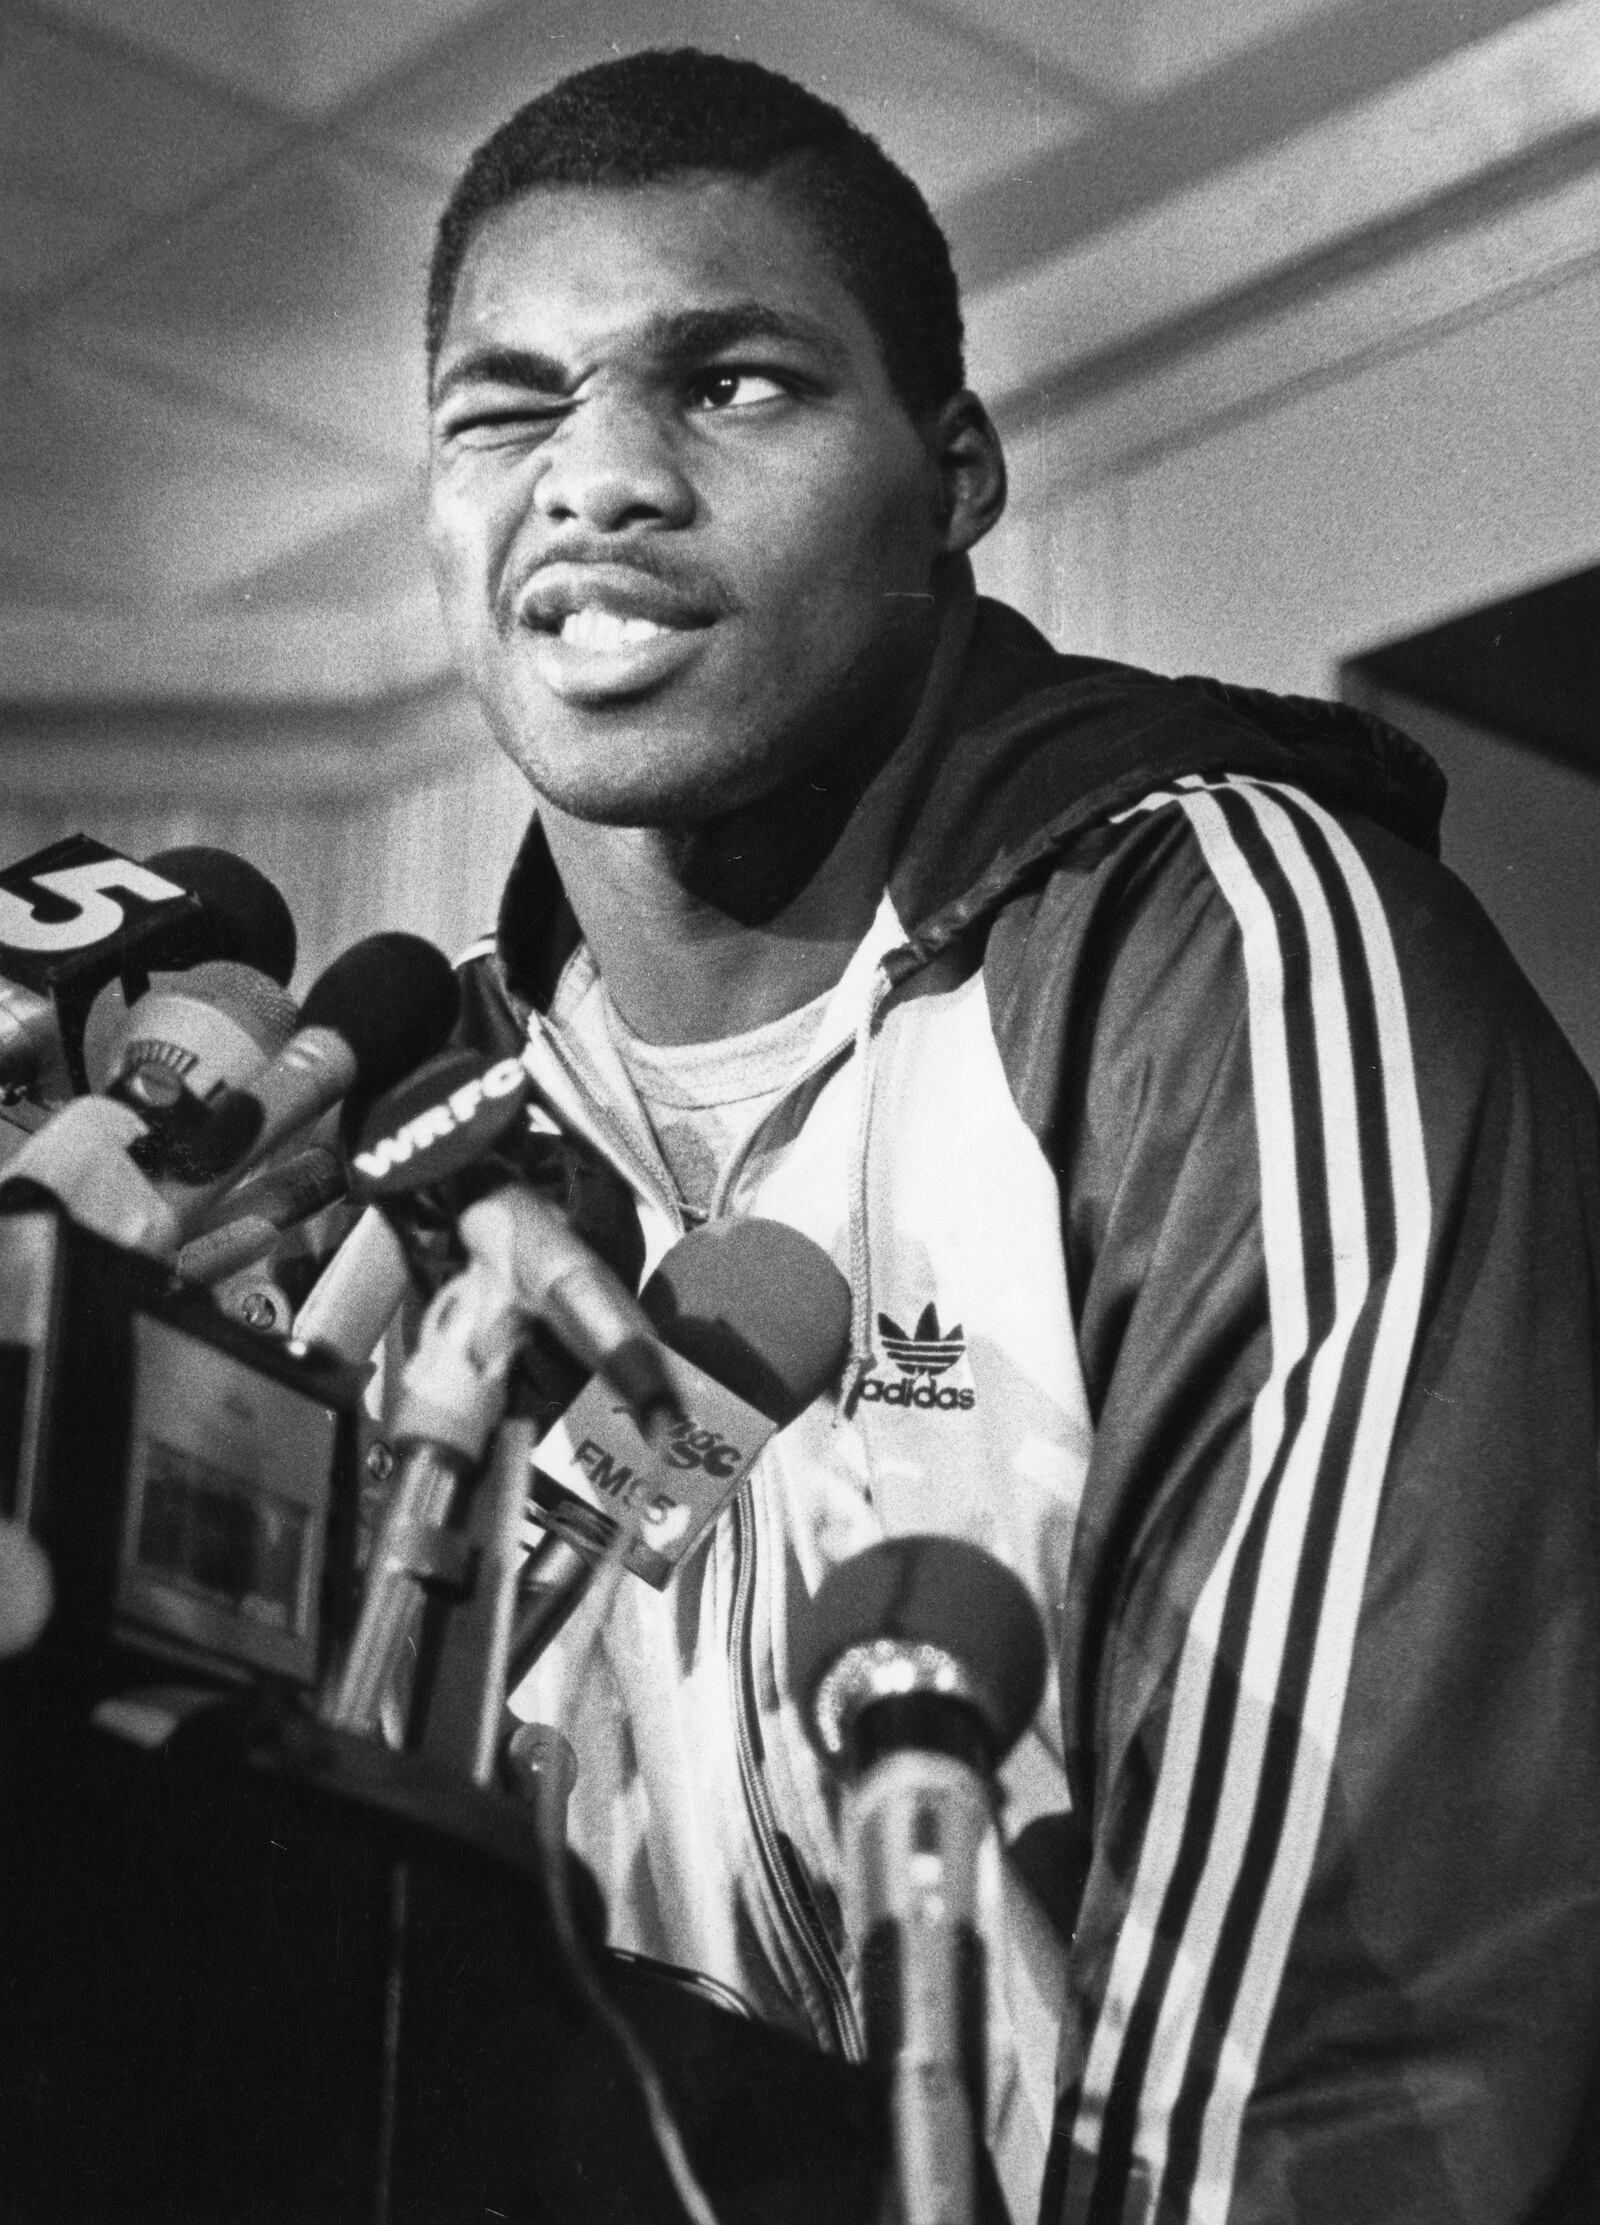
[[246, 919], [928, 1591], [254, 1004], [189, 1039], [759, 1307], [392, 998], [437, 1123], [253, 998]]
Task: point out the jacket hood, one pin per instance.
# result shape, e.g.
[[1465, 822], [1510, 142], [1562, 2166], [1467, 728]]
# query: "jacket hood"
[[1037, 746]]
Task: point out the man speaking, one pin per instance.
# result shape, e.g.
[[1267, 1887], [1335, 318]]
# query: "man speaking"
[[1219, 1206]]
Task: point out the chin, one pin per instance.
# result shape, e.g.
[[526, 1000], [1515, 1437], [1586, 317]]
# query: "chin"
[[668, 802], [650, 778]]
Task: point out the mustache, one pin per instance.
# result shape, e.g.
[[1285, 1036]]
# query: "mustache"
[[581, 574]]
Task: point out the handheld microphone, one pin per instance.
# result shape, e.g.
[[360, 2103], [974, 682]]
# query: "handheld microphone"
[[188, 1040], [357, 1294], [555, 1278], [755, 1321], [256, 1213], [78, 915], [452, 1397], [433, 1141], [191, 1038], [32, 1055], [176, 1052], [81, 1159], [385, 1005], [922, 1663], [243, 917], [525, 1264], [437, 1124]]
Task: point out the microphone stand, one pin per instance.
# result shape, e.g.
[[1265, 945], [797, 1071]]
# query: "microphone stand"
[[447, 1594], [451, 1404], [464, 1706], [923, 1662], [451, 1586]]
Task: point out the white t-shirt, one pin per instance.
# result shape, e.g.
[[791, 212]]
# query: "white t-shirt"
[[706, 1100]]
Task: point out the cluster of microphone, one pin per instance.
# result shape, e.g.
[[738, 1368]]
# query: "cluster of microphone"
[[209, 1075], [163, 1092], [159, 1087]]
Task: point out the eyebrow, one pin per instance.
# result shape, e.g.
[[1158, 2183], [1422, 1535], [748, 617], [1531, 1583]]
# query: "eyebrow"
[[502, 367], [684, 336]]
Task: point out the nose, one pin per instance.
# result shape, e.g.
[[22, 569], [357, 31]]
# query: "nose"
[[611, 464]]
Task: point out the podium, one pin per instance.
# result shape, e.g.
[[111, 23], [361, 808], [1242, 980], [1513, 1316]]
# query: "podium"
[[245, 1980]]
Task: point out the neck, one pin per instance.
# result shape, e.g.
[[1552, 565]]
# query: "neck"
[[710, 930]]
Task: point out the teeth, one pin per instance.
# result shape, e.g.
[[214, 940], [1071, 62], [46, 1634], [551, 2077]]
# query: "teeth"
[[600, 629]]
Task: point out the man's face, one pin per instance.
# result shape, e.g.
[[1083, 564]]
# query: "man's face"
[[684, 531]]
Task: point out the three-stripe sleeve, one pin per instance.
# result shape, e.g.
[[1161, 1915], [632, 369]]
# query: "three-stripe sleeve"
[[1153, 2123]]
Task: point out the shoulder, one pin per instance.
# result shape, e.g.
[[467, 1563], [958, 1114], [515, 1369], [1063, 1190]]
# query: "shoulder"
[[1218, 903], [1040, 750]]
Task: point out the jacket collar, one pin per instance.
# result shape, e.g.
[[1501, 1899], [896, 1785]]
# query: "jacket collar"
[[1026, 748]]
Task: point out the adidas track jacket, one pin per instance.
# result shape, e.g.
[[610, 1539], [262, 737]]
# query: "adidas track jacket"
[[1221, 1212]]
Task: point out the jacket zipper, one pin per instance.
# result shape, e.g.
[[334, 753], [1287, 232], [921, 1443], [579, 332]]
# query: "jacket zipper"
[[799, 1921], [838, 2028]]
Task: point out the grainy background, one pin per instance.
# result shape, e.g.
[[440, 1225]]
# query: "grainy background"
[[1289, 310]]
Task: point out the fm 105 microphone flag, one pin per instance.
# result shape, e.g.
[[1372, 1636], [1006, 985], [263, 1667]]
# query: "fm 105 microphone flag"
[[755, 1321]]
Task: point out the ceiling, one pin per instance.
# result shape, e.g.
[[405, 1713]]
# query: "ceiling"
[[215, 217]]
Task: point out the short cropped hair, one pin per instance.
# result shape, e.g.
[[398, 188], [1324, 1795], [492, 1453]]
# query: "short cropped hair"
[[661, 114]]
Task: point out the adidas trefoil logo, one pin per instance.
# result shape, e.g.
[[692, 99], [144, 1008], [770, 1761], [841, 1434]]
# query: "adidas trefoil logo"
[[927, 1352]]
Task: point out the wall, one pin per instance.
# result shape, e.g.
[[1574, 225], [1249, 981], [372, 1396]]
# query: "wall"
[[1459, 466], [1524, 835], [1338, 451], [1268, 534], [396, 815]]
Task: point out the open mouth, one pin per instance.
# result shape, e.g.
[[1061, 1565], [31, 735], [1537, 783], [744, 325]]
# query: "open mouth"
[[590, 628], [609, 605], [605, 630]]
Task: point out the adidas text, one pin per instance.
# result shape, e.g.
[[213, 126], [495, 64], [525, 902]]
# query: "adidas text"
[[909, 1392]]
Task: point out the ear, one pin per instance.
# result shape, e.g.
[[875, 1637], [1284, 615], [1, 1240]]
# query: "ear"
[[971, 464]]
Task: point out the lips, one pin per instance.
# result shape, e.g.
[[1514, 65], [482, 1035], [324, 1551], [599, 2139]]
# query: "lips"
[[602, 631], [611, 603]]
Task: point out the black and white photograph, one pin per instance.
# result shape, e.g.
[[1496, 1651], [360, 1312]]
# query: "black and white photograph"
[[799, 1159]]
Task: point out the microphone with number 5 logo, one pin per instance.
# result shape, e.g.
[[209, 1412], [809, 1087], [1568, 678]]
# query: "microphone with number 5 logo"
[[79, 915]]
